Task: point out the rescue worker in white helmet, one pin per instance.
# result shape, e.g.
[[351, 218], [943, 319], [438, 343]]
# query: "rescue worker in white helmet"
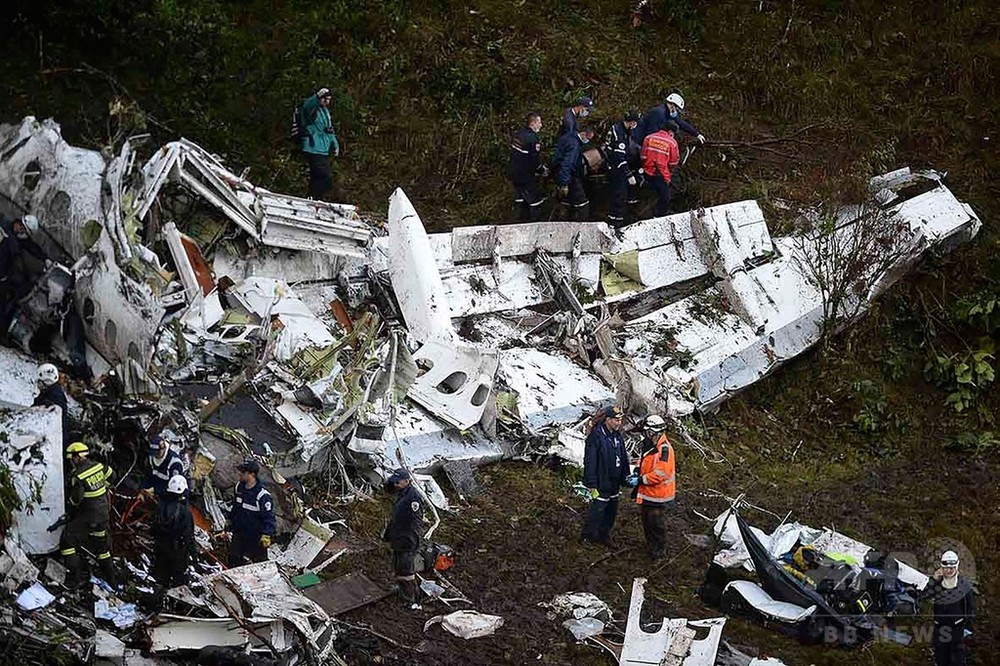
[[657, 485], [954, 611], [173, 535], [50, 392]]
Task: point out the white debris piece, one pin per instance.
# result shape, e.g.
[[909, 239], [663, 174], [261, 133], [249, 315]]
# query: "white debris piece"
[[18, 374], [757, 597], [454, 381], [583, 628], [415, 277], [268, 297], [578, 605], [550, 388], [467, 623], [31, 447], [307, 542], [35, 597]]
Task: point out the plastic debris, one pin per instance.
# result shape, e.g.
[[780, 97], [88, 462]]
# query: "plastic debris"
[[583, 628], [467, 623], [35, 597]]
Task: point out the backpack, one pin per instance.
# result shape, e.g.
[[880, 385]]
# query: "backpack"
[[300, 120]]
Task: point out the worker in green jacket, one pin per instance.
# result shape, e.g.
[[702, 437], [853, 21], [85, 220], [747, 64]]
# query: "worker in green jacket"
[[318, 139]]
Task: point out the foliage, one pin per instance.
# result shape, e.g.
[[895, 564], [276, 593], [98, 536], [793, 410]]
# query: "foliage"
[[965, 375], [975, 442], [870, 417], [980, 310], [847, 261]]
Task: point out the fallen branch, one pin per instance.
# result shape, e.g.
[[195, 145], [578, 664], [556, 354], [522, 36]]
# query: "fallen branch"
[[369, 630], [610, 555]]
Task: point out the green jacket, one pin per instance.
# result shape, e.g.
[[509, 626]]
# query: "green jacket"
[[319, 136]]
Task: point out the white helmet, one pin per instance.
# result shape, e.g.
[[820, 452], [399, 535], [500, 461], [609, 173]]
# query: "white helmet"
[[48, 374], [676, 100], [177, 484], [949, 559], [654, 421], [30, 223]]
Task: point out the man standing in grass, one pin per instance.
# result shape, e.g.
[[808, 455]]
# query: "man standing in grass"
[[318, 140]]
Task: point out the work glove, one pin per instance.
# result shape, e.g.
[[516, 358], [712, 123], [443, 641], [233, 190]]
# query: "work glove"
[[563, 191], [336, 153], [701, 139], [146, 493], [593, 493], [265, 540], [632, 181], [632, 480]]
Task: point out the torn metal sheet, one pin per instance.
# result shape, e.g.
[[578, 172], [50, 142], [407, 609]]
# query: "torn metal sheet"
[[345, 593], [641, 648], [173, 633], [424, 441], [550, 388], [259, 591], [462, 477], [185, 269], [292, 266], [31, 447], [268, 297], [703, 651], [294, 223], [755, 596], [513, 240], [415, 277], [19, 372], [58, 183], [120, 315], [307, 542], [15, 567], [454, 381]]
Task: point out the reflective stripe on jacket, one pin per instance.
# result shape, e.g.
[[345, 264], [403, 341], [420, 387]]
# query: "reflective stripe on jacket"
[[657, 481], [660, 154], [89, 488], [253, 511]]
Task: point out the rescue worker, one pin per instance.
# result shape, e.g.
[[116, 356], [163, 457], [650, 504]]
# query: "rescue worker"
[[164, 464], [569, 172], [252, 520], [605, 470], [15, 279], [954, 611], [671, 109], [173, 535], [88, 516], [618, 147], [571, 116], [656, 484], [525, 167], [404, 533], [660, 155], [318, 141], [50, 392]]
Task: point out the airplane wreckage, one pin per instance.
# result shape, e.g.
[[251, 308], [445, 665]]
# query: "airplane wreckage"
[[235, 321]]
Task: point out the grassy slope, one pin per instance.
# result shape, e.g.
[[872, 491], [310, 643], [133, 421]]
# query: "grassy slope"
[[427, 93]]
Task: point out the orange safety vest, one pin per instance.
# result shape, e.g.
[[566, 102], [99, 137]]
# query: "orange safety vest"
[[656, 470]]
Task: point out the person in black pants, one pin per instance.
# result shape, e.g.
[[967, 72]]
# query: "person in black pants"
[[404, 532], [605, 470], [173, 535]]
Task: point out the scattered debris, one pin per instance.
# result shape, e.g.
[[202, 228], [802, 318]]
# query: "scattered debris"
[[467, 623]]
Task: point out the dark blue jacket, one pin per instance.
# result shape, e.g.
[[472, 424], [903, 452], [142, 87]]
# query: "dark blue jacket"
[[524, 147], [55, 395], [654, 120], [173, 526], [570, 123], [605, 461], [253, 512], [159, 475], [406, 526], [568, 158], [618, 149]]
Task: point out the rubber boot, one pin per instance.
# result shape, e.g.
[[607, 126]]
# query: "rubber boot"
[[78, 575], [410, 590], [108, 572]]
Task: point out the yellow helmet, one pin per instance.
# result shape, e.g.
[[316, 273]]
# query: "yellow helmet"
[[76, 447]]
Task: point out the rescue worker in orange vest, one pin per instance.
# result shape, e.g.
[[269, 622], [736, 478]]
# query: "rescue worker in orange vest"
[[657, 485], [660, 155]]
